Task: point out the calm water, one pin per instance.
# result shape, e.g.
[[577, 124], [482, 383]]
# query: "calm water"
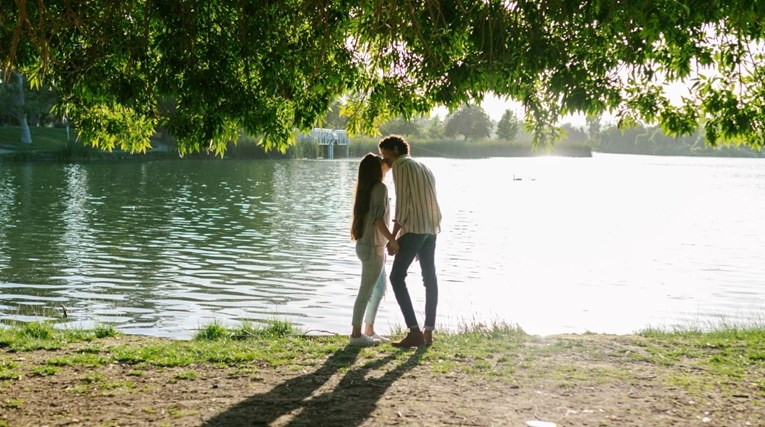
[[605, 244]]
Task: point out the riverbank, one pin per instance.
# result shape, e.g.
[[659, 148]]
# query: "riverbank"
[[480, 375], [56, 144]]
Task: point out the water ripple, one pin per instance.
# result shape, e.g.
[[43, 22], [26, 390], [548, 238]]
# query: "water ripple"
[[189, 242]]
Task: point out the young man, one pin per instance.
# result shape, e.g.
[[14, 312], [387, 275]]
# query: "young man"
[[418, 220]]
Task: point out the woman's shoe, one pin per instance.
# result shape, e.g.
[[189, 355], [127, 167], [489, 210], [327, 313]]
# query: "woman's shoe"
[[379, 338], [363, 341]]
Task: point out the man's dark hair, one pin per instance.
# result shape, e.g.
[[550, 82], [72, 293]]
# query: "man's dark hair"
[[395, 141]]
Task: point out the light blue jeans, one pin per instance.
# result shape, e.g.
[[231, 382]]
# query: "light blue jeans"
[[373, 281]]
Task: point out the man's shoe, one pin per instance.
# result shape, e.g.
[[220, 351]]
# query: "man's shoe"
[[412, 339], [427, 337]]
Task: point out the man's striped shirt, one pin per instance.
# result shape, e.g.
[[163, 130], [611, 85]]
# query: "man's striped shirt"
[[417, 209]]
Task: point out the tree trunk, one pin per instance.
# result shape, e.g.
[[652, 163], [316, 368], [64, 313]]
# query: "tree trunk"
[[18, 107]]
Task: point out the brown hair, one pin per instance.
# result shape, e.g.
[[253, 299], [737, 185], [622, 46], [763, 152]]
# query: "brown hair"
[[370, 173], [391, 141]]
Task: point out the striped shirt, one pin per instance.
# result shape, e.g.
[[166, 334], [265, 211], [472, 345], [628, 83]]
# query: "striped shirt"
[[417, 209]]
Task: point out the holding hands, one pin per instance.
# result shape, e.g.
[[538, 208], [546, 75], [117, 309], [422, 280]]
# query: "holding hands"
[[392, 240], [392, 247]]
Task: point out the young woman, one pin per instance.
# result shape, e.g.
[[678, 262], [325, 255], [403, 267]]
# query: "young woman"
[[371, 215]]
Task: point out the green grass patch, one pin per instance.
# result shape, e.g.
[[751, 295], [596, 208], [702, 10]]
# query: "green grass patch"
[[8, 370], [44, 371], [90, 360], [269, 330], [35, 336], [93, 378], [38, 330], [722, 346], [9, 374], [273, 351], [186, 375], [105, 331], [213, 332], [702, 360], [112, 385], [101, 383], [13, 403], [181, 413], [43, 138], [487, 350]]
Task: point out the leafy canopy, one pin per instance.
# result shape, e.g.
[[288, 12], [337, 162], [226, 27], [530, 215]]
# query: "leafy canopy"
[[206, 69]]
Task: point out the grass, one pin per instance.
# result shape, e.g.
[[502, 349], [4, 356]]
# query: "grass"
[[14, 403], [694, 360], [43, 138], [44, 336], [55, 144], [274, 343]]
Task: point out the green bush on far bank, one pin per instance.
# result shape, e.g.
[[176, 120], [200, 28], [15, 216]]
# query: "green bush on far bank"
[[55, 144]]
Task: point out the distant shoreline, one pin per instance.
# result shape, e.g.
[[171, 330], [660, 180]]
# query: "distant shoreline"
[[54, 144]]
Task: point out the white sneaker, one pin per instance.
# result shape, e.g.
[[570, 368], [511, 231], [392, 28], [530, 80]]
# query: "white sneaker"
[[363, 341], [379, 338]]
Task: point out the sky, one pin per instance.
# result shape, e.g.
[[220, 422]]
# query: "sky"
[[495, 106]]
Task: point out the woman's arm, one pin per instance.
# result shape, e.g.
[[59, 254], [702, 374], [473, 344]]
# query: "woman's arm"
[[392, 242], [383, 227]]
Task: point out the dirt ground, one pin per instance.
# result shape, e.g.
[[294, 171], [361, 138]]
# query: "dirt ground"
[[382, 390]]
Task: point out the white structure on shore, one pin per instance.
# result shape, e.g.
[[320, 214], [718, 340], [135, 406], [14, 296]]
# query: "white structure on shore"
[[330, 138]]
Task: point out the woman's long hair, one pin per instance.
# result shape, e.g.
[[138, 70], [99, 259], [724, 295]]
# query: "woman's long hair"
[[370, 173]]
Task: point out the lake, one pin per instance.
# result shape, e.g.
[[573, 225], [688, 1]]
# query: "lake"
[[610, 244]]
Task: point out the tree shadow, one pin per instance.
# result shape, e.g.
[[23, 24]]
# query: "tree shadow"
[[349, 403]]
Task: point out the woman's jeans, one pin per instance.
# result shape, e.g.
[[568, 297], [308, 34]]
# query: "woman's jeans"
[[372, 286], [423, 246]]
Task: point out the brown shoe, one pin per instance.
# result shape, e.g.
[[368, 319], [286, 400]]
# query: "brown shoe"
[[412, 339], [427, 336]]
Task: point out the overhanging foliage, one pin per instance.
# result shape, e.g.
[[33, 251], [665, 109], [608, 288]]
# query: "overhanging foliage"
[[206, 69]]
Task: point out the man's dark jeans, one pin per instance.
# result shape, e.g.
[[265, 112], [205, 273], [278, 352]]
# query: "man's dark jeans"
[[424, 247]]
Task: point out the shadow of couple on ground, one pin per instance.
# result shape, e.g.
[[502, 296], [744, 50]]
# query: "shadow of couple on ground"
[[300, 402]]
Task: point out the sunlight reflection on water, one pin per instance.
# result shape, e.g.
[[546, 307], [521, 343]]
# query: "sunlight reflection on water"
[[602, 244]]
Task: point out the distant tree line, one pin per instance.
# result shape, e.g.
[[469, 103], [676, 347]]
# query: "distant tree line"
[[640, 138], [470, 122]]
